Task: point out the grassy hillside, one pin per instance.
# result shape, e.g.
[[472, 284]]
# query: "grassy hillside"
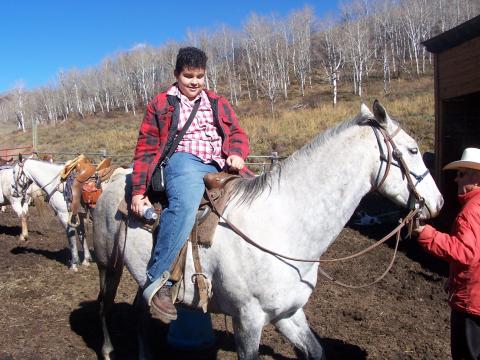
[[410, 102]]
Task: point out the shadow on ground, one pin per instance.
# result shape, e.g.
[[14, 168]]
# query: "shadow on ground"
[[62, 256], [10, 230], [85, 322]]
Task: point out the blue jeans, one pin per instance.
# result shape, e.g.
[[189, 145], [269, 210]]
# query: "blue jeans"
[[184, 189]]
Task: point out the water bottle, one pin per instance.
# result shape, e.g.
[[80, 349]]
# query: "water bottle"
[[149, 213]]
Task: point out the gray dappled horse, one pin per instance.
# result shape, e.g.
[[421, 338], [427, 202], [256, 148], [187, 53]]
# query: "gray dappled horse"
[[46, 175], [297, 210]]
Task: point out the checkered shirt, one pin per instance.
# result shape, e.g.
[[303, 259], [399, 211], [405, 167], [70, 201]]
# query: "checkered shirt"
[[202, 138]]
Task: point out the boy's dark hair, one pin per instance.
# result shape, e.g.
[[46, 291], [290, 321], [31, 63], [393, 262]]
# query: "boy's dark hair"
[[190, 57]]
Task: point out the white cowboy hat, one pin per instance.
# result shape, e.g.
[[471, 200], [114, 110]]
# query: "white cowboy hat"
[[470, 160]]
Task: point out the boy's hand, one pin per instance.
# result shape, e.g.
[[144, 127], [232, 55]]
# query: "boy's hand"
[[235, 162], [138, 203]]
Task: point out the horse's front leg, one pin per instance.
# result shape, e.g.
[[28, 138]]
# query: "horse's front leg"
[[296, 329], [21, 212], [24, 234], [72, 244], [87, 257], [247, 330]]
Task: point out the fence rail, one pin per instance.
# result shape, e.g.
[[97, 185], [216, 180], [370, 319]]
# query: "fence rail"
[[6, 154], [257, 163]]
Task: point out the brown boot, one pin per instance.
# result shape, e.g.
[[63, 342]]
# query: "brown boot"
[[162, 307]]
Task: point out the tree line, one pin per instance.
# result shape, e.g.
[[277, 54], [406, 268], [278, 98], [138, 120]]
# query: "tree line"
[[270, 58]]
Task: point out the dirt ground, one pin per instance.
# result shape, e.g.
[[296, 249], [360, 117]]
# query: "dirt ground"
[[48, 312]]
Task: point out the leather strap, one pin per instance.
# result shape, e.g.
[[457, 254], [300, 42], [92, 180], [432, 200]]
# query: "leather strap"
[[180, 135], [199, 277]]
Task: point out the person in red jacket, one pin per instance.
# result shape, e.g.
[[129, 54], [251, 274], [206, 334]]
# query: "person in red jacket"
[[214, 141], [461, 248]]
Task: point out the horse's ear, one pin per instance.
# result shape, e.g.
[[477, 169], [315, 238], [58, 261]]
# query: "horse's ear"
[[365, 115], [20, 157], [365, 111], [379, 112]]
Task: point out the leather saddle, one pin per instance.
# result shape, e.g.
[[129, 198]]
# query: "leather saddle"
[[86, 186]]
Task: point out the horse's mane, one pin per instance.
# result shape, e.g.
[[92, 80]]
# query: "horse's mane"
[[248, 189]]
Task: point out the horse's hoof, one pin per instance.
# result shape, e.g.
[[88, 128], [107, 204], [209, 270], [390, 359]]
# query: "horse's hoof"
[[23, 238], [86, 262], [74, 268]]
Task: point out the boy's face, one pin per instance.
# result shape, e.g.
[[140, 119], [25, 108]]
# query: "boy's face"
[[191, 81]]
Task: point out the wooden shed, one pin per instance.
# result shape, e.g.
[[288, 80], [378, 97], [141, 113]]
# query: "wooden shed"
[[456, 54]]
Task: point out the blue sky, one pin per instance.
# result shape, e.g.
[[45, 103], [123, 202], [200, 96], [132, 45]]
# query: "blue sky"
[[40, 38]]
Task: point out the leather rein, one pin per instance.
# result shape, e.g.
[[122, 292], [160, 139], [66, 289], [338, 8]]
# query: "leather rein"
[[393, 153]]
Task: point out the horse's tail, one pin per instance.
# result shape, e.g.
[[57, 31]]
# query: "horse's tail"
[[41, 206]]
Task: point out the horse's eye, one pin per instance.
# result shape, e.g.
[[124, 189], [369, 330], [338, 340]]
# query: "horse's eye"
[[413, 150]]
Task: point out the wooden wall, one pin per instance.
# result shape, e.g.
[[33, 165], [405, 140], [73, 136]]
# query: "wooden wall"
[[457, 110], [459, 70]]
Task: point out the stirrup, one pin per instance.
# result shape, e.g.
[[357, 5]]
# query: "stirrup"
[[69, 221], [152, 288]]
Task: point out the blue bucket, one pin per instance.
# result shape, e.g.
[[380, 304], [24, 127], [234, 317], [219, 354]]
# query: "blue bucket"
[[192, 330]]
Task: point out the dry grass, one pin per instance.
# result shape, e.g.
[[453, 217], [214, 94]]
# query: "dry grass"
[[411, 102]]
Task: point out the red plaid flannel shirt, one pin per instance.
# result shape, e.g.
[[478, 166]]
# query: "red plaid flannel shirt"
[[155, 132], [202, 138]]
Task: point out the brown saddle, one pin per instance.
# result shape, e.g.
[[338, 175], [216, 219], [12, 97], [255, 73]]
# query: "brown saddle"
[[86, 186]]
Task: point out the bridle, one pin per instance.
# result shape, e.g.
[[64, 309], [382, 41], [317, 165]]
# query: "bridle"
[[21, 182], [393, 153], [24, 182]]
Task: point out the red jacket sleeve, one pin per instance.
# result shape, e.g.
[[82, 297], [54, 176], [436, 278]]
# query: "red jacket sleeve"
[[457, 247], [145, 151], [237, 140]]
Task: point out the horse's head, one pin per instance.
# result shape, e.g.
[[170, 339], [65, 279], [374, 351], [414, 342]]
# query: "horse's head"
[[21, 181], [402, 175]]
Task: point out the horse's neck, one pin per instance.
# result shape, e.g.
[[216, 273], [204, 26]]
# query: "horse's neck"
[[45, 175], [317, 190]]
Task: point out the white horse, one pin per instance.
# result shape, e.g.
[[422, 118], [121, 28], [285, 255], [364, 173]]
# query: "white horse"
[[46, 175], [296, 210], [18, 201]]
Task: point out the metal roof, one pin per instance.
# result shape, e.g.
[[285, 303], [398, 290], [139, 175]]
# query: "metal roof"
[[454, 37]]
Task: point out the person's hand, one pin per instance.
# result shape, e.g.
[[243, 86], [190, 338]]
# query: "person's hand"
[[138, 203], [235, 162]]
